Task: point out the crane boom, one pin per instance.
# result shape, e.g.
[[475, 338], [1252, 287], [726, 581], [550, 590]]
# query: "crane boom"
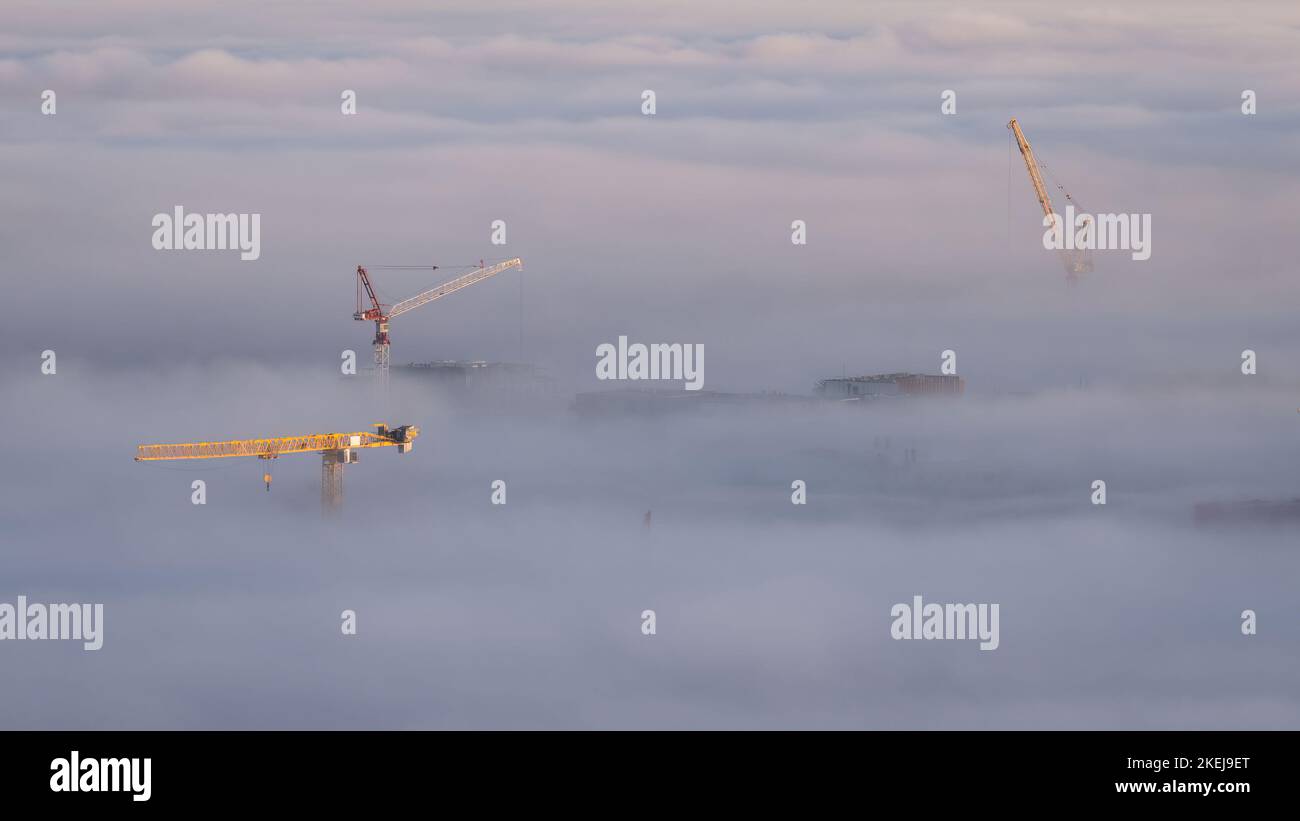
[[1031, 164], [280, 446], [477, 275], [1076, 261]]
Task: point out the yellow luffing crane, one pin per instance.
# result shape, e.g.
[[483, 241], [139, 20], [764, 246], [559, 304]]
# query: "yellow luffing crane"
[[1077, 261]]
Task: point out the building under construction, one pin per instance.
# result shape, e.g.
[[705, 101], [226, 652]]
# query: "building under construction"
[[890, 386]]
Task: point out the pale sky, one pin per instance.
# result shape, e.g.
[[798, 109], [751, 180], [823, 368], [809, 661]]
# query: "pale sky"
[[672, 226]]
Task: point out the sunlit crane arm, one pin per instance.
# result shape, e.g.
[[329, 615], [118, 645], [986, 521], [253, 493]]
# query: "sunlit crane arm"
[[477, 275]]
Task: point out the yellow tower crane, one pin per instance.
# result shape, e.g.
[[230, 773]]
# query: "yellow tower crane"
[[336, 450]]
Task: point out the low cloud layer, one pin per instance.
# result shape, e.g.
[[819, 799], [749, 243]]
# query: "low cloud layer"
[[768, 614]]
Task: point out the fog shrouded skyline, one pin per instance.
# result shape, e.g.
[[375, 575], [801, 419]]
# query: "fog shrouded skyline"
[[923, 235]]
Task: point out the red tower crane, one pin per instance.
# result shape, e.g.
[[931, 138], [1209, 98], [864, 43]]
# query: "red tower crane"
[[380, 314]]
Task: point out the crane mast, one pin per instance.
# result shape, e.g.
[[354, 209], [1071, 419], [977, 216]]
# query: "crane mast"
[[1076, 261], [380, 314]]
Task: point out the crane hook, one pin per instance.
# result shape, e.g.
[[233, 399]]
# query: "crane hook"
[[266, 475]]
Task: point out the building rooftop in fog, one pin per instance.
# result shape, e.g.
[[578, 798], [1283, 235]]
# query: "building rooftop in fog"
[[627, 401], [469, 364], [477, 376], [886, 385]]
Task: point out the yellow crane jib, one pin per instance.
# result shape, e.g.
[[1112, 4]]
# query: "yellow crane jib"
[[401, 438], [336, 449]]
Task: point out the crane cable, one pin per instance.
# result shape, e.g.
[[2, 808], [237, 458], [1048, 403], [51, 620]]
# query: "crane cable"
[[155, 464], [232, 464], [1052, 178], [1010, 161], [385, 299], [1084, 255]]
